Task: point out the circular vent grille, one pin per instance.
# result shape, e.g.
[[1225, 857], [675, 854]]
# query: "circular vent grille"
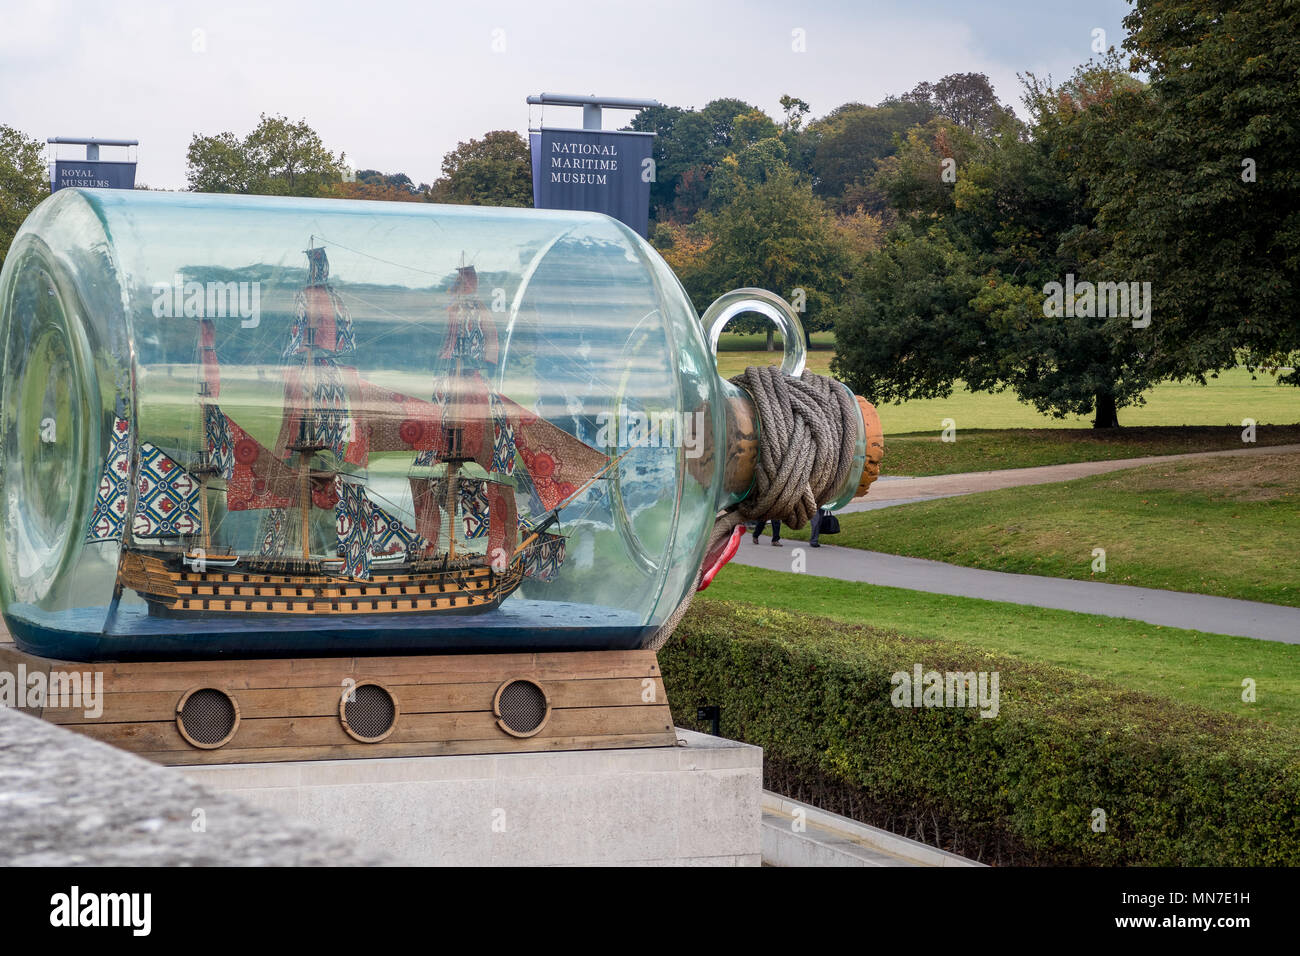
[[207, 717], [369, 712], [522, 708]]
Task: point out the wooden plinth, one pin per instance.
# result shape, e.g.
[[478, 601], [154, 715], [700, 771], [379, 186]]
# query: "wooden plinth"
[[291, 709]]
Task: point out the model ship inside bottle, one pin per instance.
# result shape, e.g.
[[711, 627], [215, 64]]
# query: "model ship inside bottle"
[[459, 546]]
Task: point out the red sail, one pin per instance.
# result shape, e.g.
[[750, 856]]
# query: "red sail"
[[258, 479], [468, 414], [210, 369], [391, 421], [379, 419], [558, 463], [503, 525], [471, 333]]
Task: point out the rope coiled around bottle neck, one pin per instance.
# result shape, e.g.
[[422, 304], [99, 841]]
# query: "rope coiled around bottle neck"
[[808, 432]]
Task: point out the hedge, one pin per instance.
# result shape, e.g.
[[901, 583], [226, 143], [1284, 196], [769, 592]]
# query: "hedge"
[[1179, 786]]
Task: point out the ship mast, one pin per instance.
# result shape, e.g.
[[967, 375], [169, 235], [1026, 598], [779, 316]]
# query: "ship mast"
[[209, 388], [308, 444], [453, 463]]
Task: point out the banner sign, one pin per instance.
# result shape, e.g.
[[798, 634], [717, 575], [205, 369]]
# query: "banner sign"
[[92, 173], [595, 171]]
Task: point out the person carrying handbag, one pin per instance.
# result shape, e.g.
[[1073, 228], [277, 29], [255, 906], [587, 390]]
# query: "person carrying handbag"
[[823, 522]]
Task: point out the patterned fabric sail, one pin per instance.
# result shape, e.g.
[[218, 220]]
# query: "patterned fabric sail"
[[317, 410], [355, 527], [274, 537], [255, 478], [463, 404], [391, 421], [503, 525], [109, 514], [557, 463], [543, 558], [471, 333], [503, 439], [322, 320], [391, 536], [167, 500], [474, 508]]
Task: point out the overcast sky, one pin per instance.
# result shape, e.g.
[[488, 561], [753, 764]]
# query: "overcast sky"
[[396, 84]]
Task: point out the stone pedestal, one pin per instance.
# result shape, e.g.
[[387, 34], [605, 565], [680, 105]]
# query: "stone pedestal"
[[695, 804]]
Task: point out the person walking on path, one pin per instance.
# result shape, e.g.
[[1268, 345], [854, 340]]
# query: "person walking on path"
[[816, 529], [776, 532]]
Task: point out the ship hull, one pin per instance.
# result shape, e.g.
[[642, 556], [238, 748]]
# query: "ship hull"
[[173, 590]]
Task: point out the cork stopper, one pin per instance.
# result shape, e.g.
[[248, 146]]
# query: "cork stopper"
[[875, 445]]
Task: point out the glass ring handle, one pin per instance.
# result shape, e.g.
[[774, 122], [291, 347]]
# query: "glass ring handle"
[[738, 301]]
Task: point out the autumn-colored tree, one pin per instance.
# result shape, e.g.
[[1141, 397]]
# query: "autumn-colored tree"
[[683, 247]]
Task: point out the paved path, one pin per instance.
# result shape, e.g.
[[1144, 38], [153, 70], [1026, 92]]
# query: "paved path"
[[888, 490], [1217, 615]]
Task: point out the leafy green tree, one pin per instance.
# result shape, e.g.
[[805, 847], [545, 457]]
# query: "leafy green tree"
[[24, 182], [1194, 180], [398, 181], [690, 144], [1013, 220], [910, 329], [721, 116], [493, 171], [775, 235], [913, 179], [849, 141], [278, 158], [795, 110], [750, 166], [965, 98]]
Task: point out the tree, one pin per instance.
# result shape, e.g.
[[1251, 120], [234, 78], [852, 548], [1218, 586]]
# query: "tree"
[[774, 235], [373, 177], [909, 329], [965, 98], [371, 184], [374, 191], [278, 158], [960, 292], [1193, 179], [913, 179], [849, 141], [795, 110], [24, 182], [493, 171], [689, 145]]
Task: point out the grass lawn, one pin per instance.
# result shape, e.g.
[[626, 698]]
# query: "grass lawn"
[[987, 450], [1226, 400], [1223, 526], [737, 352], [1189, 666]]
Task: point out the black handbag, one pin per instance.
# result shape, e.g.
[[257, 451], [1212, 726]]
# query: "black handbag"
[[830, 524]]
